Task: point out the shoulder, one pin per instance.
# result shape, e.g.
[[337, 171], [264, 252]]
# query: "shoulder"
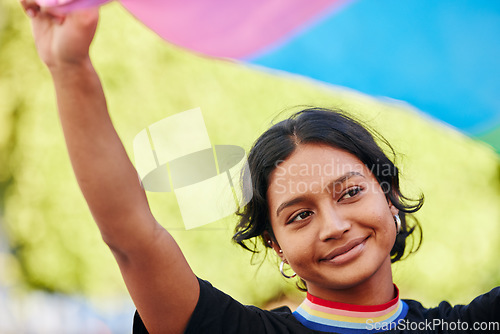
[[484, 308], [217, 312]]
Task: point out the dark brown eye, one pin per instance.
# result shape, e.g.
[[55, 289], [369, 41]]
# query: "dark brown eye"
[[351, 192], [301, 216]]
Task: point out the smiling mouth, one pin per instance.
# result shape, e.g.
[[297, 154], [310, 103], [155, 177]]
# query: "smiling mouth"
[[347, 252]]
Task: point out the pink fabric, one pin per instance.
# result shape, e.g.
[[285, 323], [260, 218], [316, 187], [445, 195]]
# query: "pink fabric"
[[222, 28], [226, 28], [66, 6]]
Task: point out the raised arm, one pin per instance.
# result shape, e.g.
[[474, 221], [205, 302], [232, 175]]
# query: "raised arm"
[[160, 281]]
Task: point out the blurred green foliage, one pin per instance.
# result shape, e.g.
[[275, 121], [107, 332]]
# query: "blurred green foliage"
[[56, 246]]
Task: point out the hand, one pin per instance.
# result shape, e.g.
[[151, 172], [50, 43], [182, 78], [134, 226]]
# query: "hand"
[[62, 39]]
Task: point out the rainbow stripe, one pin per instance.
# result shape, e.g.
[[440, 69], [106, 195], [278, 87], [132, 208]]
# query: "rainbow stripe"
[[322, 315]]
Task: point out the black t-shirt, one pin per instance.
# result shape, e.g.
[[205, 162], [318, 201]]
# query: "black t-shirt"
[[217, 312]]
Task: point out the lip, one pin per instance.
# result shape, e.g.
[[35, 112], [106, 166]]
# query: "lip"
[[347, 252]]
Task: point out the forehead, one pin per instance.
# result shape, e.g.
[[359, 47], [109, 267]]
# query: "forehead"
[[312, 161]]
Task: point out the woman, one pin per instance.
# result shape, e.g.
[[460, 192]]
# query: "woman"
[[326, 200]]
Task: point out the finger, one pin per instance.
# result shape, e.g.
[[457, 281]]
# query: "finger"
[[58, 19], [29, 4], [55, 14], [30, 7], [33, 10]]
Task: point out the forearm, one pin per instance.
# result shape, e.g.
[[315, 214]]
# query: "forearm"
[[103, 170]]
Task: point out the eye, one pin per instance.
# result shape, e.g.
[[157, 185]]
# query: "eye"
[[350, 193], [301, 216]]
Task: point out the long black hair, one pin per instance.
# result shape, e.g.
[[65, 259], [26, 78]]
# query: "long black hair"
[[336, 129]]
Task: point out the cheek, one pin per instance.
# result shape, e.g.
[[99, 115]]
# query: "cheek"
[[387, 232], [297, 248], [302, 263], [382, 212], [384, 226]]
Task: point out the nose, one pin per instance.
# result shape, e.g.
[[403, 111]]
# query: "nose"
[[333, 224]]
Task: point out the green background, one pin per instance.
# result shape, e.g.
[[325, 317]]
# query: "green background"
[[54, 245]]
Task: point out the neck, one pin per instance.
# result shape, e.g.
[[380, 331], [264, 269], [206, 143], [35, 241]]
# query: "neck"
[[375, 290], [350, 311]]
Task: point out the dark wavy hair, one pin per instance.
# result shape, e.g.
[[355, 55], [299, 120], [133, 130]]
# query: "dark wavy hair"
[[336, 129]]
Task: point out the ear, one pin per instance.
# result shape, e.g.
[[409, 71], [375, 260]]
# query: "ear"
[[393, 209], [273, 244]]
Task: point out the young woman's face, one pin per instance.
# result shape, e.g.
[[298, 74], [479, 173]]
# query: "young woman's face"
[[331, 219]]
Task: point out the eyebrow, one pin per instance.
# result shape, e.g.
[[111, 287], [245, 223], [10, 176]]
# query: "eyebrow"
[[299, 199]]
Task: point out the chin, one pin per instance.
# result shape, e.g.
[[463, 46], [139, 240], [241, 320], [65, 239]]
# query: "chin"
[[359, 273]]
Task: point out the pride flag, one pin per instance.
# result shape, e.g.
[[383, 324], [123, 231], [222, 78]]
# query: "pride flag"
[[443, 57]]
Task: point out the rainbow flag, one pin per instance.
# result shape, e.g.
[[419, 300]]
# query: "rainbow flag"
[[443, 57]]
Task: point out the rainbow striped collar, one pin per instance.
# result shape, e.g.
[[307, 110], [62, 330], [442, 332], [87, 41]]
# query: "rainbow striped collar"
[[332, 317]]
